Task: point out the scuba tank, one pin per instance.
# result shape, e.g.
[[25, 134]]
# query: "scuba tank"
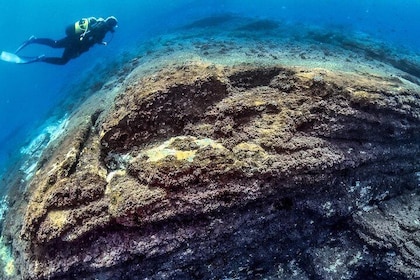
[[80, 27]]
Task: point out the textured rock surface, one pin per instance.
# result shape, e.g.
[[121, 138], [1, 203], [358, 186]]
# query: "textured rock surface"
[[202, 170]]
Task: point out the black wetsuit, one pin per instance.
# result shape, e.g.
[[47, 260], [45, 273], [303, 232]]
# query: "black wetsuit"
[[74, 44]]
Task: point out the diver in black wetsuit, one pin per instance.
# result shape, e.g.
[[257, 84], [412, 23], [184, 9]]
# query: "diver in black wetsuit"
[[81, 36]]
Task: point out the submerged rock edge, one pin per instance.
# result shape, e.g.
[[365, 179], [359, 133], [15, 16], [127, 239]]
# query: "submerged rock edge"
[[271, 135]]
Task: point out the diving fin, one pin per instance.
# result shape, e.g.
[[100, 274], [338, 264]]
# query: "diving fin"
[[13, 58]]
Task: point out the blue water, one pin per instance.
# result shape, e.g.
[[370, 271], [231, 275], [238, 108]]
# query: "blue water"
[[30, 92]]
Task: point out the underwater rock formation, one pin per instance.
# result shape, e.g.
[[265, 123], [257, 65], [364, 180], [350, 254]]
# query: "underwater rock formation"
[[203, 170]]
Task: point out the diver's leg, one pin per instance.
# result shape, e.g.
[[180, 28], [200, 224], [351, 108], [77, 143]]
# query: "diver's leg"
[[54, 60], [49, 42], [68, 54], [43, 41], [24, 44]]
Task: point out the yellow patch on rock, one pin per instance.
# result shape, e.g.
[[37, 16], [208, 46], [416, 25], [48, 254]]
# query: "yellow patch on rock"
[[259, 103], [57, 218], [167, 148]]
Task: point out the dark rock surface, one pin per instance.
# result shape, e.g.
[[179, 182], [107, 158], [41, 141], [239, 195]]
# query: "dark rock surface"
[[203, 170]]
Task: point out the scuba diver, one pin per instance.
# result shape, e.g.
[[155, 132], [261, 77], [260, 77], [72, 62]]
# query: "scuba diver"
[[81, 36]]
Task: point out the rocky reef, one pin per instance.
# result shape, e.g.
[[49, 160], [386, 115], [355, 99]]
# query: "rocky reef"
[[198, 169]]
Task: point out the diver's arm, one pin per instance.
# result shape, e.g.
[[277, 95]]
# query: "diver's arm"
[[98, 30]]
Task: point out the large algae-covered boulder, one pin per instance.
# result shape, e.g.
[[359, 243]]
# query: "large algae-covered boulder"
[[201, 170]]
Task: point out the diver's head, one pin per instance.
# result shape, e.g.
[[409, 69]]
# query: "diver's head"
[[111, 22]]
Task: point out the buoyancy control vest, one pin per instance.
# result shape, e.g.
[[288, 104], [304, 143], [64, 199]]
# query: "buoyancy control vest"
[[82, 26]]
